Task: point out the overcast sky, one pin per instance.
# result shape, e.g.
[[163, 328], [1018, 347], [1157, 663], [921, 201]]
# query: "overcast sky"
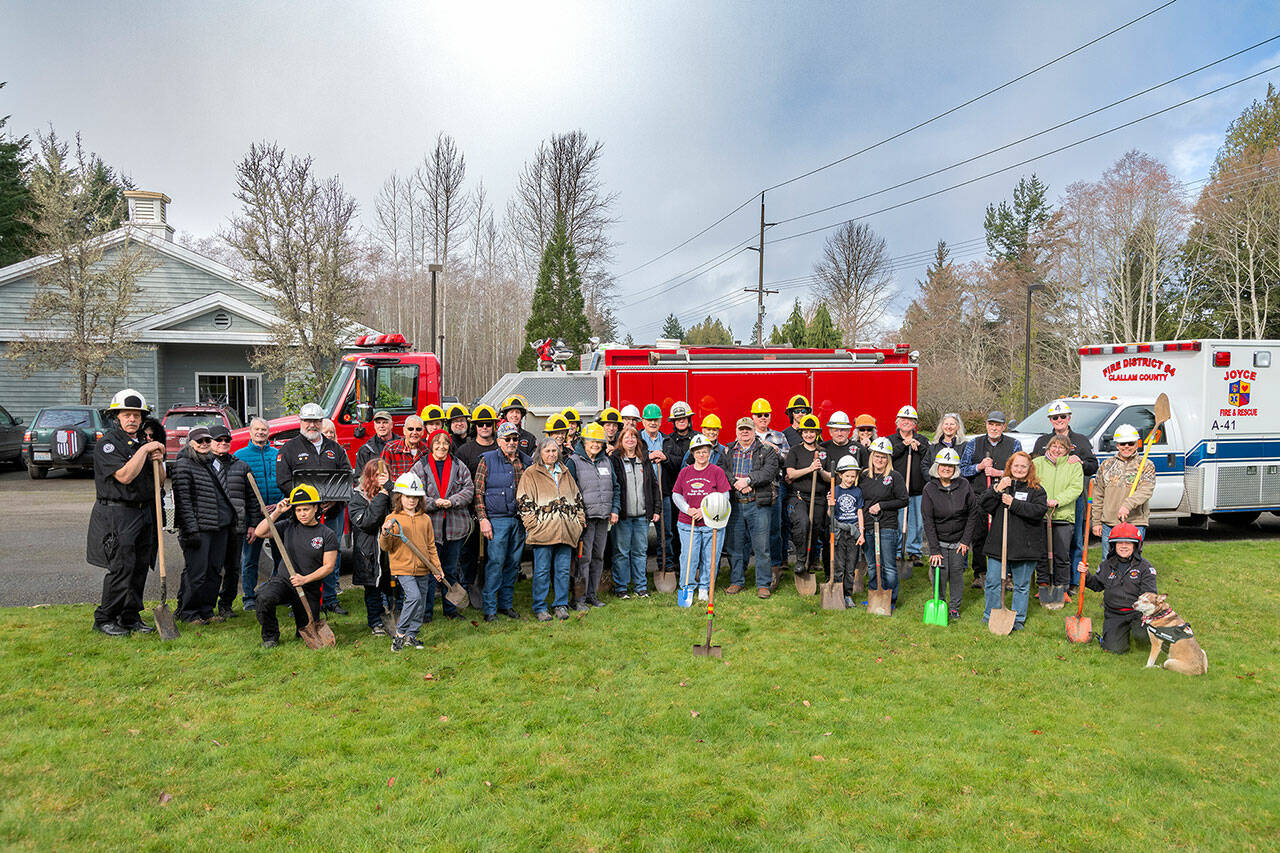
[[699, 106]]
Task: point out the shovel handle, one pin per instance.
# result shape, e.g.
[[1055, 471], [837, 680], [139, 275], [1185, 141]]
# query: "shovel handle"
[[275, 537], [413, 549], [155, 470]]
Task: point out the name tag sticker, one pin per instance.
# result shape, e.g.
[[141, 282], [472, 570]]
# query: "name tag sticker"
[[1020, 496]]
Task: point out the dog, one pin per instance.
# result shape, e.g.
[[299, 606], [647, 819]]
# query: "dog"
[[1165, 626]]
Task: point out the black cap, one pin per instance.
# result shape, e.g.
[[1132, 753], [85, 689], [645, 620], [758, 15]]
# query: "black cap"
[[198, 433], [219, 432]]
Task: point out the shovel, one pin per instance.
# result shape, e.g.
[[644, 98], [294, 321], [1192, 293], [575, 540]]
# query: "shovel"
[[806, 583], [455, 593], [1055, 591], [1000, 621], [879, 600], [1162, 415], [904, 565], [832, 598], [663, 580], [684, 597], [935, 609], [706, 649], [1080, 627], [316, 633], [163, 615]]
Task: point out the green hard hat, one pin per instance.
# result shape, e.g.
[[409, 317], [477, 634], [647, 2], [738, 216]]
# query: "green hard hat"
[[652, 411]]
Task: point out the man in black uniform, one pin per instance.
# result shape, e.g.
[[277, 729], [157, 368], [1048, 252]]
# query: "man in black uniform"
[[122, 526], [513, 410], [312, 548], [311, 451], [383, 434]]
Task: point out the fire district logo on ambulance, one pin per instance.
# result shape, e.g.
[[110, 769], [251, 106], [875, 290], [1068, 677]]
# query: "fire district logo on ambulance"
[[1238, 393]]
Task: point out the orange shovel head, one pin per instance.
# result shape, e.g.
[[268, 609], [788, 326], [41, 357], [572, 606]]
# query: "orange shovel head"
[[1079, 629]]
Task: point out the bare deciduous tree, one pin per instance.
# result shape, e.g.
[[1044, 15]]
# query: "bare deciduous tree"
[[854, 278], [84, 299], [564, 178], [298, 235]]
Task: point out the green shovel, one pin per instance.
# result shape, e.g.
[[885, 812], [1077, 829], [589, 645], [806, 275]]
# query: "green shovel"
[[935, 609]]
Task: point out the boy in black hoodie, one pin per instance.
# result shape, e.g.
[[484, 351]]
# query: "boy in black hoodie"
[[1121, 578]]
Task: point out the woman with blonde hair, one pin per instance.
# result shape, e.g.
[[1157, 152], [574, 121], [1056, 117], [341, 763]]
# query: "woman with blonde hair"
[[1018, 499]]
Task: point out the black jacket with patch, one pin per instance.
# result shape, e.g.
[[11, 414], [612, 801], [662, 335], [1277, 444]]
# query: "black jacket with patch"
[[1121, 582]]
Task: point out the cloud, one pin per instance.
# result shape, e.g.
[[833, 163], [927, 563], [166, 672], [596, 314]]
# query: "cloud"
[[1191, 156]]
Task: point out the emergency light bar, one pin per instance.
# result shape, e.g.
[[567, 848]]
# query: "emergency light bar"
[[382, 342], [1119, 349]]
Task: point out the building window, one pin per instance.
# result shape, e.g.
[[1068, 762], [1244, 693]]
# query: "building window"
[[240, 392]]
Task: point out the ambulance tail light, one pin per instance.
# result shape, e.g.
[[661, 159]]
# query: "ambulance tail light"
[[1222, 358], [1091, 350], [28, 435], [1185, 346]]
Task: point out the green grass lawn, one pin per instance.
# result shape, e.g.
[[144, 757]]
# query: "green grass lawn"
[[818, 730]]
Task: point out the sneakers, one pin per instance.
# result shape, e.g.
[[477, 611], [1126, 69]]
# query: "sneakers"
[[580, 604], [848, 602], [763, 592], [111, 629], [543, 616], [979, 581], [398, 643], [622, 596], [413, 643], [593, 601], [250, 606], [702, 595], [270, 643], [733, 589], [227, 613], [378, 631], [491, 617], [563, 612], [509, 612], [953, 615], [644, 593]]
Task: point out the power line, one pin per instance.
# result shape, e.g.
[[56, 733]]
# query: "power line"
[[972, 100], [1025, 162], [1028, 138], [900, 134]]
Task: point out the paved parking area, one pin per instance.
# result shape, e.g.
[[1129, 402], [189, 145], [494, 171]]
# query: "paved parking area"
[[45, 523]]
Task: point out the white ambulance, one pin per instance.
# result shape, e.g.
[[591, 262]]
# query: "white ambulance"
[[1219, 454]]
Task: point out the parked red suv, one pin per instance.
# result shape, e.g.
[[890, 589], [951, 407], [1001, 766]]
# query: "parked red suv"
[[180, 420]]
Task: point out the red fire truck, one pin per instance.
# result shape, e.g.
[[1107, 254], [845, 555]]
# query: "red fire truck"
[[385, 376], [712, 380]]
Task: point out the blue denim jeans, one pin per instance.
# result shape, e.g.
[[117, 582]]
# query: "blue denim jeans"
[[448, 551], [630, 554], [914, 525], [1106, 538], [749, 529], [334, 520], [505, 549], [1021, 572], [701, 559], [888, 559], [415, 604], [551, 572]]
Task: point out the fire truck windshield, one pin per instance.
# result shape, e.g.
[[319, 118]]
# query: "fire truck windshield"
[[337, 389]]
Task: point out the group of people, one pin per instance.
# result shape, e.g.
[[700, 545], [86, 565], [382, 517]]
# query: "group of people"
[[459, 495]]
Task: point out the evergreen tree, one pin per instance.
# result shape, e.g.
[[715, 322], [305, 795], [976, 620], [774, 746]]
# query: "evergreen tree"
[[776, 338], [629, 341], [558, 310], [1012, 229], [795, 329], [822, 332], [757, 329], [671, 328], [710, 332], [1257, 129], [15, 197]]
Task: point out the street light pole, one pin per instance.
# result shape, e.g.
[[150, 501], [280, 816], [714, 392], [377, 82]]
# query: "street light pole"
[[1026, 370], [435, 268]]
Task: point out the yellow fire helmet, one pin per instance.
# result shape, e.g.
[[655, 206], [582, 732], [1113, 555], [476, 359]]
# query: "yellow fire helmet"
[[556, 423], [431, 413], [593, 432], [304, 494], [483, 414], [809, 422], [761, 407]]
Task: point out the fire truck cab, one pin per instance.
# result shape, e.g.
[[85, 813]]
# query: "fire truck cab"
[[384, 375]]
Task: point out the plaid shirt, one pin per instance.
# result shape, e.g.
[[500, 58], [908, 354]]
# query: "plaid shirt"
[[742, 467], [399, 459], [482, 475]]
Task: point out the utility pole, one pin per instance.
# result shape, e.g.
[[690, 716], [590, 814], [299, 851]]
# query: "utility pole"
[[759, 288]]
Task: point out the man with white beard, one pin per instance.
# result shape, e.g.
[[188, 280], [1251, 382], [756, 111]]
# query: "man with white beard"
[[311, 451]]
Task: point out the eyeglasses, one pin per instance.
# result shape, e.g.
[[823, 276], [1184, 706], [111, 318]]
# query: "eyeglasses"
[[866, 429], [484, 426], [1058, 417], [1126, 444], [509, 438], [201, 440], [226, 440], [413, 429]]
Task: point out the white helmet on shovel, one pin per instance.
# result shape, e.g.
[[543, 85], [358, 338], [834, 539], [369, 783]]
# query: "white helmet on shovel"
[[715, 510]]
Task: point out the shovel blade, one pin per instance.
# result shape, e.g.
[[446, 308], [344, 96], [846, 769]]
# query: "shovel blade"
[[905, 570], [880, 602], [702, 650], [1053, 596], [474, 596], [935, 612], [165, 625], [318, 635], [1001, 621], [1079, 630], [832, 597], [806, 583], [860, 579], [457, 596], [664, 581]]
